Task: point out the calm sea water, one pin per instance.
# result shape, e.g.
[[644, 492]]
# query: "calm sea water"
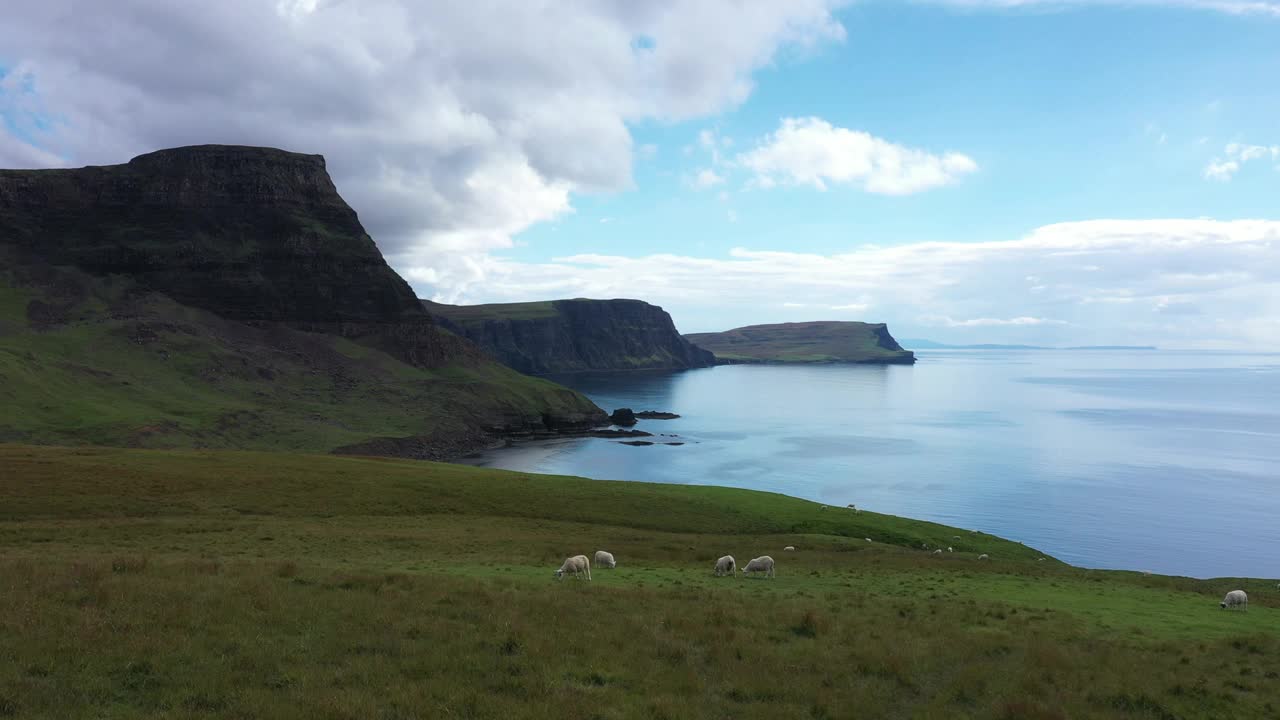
[[1160, 461]]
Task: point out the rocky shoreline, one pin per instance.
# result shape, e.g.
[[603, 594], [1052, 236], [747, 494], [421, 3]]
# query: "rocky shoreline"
[[451, 446]]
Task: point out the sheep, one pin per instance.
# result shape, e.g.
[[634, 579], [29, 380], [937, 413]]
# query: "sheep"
[[578, 564], [949, 549], [763, 564], [605, 560], [867, 539], [789, 548], [726, 566], [1235, 599], [938, 551], [984, 556], [955, 537]]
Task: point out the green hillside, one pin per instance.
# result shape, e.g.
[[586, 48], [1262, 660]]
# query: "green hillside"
[[98, 361], [193, 584], [805, 342]]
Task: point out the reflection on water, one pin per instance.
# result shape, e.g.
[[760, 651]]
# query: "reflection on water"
[[1161, 461]]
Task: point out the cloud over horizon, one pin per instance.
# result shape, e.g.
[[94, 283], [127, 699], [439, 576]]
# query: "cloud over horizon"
[[1180, 280]]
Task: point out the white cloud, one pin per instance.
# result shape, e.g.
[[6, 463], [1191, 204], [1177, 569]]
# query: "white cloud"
[[1237, 155], [706, 178], [852, 307], [1102, 278], [948, 321], [449, 126], [811, 151], [1230, 7], [1221, 170]]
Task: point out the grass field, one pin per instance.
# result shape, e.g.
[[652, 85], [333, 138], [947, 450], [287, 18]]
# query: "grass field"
[[198, 584]]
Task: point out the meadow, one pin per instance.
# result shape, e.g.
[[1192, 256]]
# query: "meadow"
[[198, 584]]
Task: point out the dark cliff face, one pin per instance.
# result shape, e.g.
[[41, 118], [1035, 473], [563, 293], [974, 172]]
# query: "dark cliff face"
[[575, 335], [251, 234]]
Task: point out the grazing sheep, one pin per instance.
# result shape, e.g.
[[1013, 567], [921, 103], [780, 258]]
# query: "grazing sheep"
[[984, 556], [789, 548], [938, 551], [949, 549], [955, 537], [726, 566], [605, 560], [578, 564], [1235, 599], [1039, 559], [763, 564], [867, 539]]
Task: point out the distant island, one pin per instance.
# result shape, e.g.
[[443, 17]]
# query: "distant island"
[[806, 342], [921, 344]]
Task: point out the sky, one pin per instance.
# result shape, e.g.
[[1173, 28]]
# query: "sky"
[[1063, 172]]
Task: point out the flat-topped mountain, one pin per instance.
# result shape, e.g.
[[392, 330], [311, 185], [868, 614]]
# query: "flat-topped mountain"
[[574, 335], [227, 296], [806, 342]]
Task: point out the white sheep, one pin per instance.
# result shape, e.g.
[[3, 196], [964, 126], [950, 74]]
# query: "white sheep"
[[726, 566], [1235, 599], [789, 548], [605, 560], [938, 551], [763, 564], [984, 556], [949, 549], [867, 539], [578, 564]]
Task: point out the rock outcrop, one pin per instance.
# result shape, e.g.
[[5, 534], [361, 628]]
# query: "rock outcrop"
[[561, 336]]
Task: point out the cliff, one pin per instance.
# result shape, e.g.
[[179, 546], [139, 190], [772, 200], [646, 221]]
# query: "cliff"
[[250, 234], [806, 342], [574, 335], [239, 280]]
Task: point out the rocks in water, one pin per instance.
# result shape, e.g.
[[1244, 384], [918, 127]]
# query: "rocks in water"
[[636, 443], [656, 415], [610, 433], [623, 416]]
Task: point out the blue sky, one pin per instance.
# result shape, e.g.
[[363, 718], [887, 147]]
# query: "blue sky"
[[1048, 171], [1075, 114]]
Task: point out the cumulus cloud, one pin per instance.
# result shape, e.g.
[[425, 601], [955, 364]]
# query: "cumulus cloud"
[[1230, 7], [1103, 282], [449, 126], [1237, 154], [811, 151]]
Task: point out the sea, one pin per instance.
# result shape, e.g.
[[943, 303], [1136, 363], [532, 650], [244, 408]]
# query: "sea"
[[1159, 461]]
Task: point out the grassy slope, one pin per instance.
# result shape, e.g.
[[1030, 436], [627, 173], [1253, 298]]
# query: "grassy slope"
[[798, 342], [230, 584], [159, 374]]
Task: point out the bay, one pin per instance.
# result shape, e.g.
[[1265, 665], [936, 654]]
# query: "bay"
[[1161, 461]]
